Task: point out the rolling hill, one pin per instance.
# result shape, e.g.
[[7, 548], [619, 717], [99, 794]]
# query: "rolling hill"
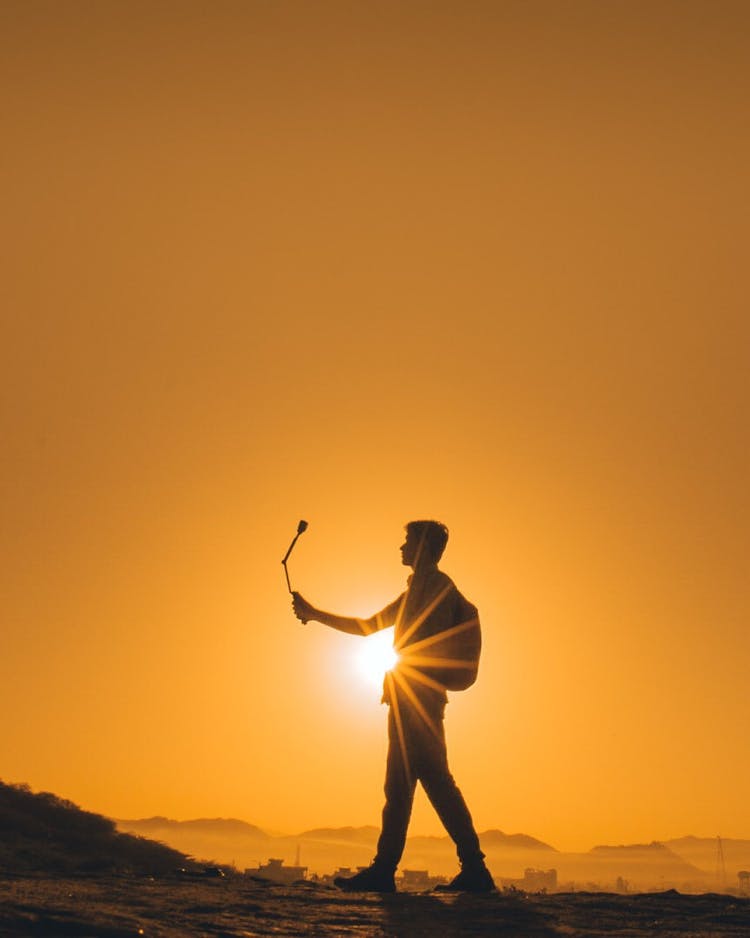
[[44, 833]]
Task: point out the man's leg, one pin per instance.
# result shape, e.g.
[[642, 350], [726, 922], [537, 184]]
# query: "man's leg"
[[399, 796], [445, 796], [400, 783]]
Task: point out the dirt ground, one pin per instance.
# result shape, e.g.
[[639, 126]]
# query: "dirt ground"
[[236, 907]]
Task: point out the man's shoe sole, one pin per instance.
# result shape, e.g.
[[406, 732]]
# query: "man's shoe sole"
[[455, 889], [346, 886]]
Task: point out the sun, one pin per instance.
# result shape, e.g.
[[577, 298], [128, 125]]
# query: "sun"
[[374, 656]]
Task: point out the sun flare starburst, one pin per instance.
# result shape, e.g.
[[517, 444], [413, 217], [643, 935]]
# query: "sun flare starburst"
[[375, 656]]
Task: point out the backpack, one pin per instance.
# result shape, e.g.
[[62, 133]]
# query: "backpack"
[[460, 646]]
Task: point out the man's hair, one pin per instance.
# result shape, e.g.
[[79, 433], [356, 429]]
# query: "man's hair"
[[433, 536]]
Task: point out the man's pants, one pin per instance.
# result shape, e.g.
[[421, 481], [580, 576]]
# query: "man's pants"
[[417, 752]]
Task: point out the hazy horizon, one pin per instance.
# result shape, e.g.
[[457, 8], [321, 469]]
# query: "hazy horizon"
[[374, 824]]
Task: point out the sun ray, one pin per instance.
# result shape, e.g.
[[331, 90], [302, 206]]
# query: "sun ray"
[[420, 677], [393, 697], [401, 611], [444, 634], [380, 623], [418, 620], [425, 653], [417, 703], [427, 661], [366, 628]]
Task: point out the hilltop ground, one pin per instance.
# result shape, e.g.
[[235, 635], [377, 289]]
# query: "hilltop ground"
[[237, 907], [67, 873]]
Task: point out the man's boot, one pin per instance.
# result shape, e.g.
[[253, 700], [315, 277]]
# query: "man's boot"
[[372, 879], [472, 878]]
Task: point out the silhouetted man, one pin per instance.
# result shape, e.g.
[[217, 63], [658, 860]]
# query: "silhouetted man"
[[437, 639]]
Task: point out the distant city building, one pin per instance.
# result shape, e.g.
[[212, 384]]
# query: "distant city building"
[[539, 880], [326, 879], [533, 881], [415, 879], [276, 872], [743, 878], [418, 880]]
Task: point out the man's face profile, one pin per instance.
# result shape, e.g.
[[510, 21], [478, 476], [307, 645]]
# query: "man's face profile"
[[410, 548]]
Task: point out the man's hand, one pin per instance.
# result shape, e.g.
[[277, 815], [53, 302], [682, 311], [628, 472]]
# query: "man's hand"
[[302, 608]]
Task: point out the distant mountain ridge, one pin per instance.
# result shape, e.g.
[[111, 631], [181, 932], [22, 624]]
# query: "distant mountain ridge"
[[713, 853], [498, 838], [683, 863], [654, 848], [654, 860], [220, 826], [702, 854], [44, 833], [690, 842], [366, 834]]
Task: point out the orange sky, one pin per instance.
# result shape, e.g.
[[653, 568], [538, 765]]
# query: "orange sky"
[[360, 263]]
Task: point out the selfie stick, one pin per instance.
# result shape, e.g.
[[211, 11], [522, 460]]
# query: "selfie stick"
[[301, 528]]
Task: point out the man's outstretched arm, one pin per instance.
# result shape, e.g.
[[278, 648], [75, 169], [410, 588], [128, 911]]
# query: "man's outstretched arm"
[[306, 612]]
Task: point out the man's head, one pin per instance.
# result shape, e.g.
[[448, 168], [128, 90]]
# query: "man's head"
[[425, 543]]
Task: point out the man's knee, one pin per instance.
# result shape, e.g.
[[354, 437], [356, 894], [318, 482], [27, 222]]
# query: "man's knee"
[[440, 785], [398, 788]]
